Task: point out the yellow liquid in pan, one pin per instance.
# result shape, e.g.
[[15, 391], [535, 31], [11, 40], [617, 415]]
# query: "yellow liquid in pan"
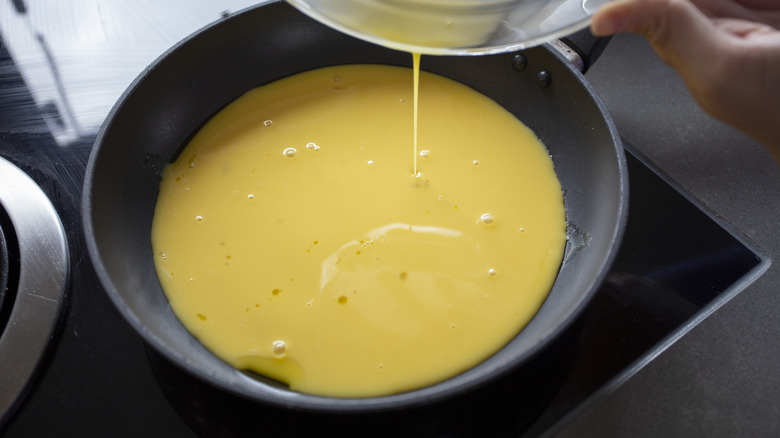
[[293, 239]]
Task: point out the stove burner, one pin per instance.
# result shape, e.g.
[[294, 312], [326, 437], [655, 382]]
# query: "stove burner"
[[34, 233], [4, 262]]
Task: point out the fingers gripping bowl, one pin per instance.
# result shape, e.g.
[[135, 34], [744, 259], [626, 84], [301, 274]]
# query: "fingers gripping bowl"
[[169, 101]]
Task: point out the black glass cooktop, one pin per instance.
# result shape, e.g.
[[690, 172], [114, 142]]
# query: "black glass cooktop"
[[676, 265]]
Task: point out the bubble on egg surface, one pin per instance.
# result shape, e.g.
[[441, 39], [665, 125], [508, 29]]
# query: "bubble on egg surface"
[[486, 220], [312, 146], [289, 152], [337, 82], [279, 348], [425, 153]]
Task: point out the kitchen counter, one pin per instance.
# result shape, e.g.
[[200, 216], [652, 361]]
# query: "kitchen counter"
[[718, 378]]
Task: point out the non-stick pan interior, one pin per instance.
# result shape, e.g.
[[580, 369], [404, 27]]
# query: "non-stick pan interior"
[[187, 85]]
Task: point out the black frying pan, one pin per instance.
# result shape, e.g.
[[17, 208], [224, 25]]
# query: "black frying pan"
[[170, 100]]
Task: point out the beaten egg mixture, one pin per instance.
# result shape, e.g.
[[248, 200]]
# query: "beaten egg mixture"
[[294, 237]]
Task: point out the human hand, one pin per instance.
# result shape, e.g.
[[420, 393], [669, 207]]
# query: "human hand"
[[726, 51]]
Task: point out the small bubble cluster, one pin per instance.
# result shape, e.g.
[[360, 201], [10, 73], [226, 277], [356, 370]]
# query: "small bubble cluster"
[[289, 152], [312, 146]]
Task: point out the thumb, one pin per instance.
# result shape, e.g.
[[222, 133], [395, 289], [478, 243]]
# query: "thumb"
[[681, 34]]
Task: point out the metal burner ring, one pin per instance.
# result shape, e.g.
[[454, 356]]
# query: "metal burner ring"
[[43, 272]]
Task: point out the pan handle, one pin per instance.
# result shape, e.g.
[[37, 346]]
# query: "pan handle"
[[582, 48]]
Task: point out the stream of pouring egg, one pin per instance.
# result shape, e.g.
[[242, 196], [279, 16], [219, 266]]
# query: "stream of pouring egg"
[[291, 241], [416, 72]]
